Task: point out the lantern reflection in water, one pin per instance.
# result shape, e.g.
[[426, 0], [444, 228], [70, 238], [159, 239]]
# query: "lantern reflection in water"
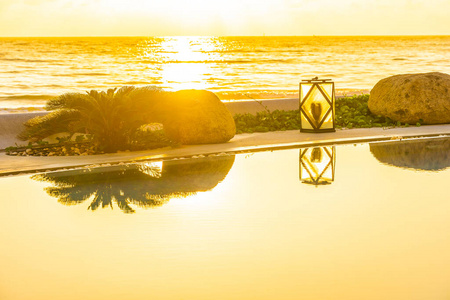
[[317, 165]]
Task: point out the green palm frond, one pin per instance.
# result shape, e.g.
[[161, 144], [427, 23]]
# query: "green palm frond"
[[110, 92], [70, 101], [124, 91], [147, 97], [112, 117], [54, 122]]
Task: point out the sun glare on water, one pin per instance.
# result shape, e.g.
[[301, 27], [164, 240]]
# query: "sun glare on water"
[[185, 66]]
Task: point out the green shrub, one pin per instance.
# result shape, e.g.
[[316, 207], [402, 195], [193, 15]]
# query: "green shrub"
[[351, 112]]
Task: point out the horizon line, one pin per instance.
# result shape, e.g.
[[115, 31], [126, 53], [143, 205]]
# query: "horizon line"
[[259, 36]]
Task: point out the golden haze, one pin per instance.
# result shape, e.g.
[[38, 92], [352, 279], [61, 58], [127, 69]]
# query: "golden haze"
[[221, 18]]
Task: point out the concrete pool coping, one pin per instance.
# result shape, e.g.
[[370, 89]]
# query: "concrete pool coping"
[[18, 165]]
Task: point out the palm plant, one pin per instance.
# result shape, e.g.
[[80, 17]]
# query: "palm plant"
[[110, 117]]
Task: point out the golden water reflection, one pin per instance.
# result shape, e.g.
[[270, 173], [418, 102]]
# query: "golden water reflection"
[[186, 61], [424, 155], [186, 75], [377, 232], [189, 49], [317, 165], [143, 185]]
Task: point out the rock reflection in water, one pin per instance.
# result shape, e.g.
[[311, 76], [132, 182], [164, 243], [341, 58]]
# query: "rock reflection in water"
[[143, 185], [426, 155]]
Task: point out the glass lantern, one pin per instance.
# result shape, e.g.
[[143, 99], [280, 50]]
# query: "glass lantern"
[[317, 165], [316, 97]]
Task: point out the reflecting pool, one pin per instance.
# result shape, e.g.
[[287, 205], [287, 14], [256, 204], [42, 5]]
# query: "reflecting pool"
[[366, 221]]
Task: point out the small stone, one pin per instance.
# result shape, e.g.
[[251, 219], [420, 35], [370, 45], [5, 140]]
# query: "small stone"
[[396, 138], [29, 151]]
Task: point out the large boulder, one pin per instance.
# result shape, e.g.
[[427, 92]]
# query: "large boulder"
[[196, 117], [411, 98]]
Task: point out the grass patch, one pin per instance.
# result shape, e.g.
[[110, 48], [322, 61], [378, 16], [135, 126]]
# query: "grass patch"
[[351, 112]]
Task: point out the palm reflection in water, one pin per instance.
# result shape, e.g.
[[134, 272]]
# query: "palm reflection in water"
[[142, 185]]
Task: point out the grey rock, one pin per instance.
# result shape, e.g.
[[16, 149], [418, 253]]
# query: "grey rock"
[[410, 98]]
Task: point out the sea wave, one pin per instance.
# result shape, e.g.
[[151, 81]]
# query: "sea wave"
[[26, 97], [82, 74], [221, 61], [31, 60], [35, 70], [253, 51]]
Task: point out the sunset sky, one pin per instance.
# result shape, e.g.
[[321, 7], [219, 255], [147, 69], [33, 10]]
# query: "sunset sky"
[[223, 17]]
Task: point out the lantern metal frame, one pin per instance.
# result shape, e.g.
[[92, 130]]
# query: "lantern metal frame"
[[306, 164], [316, 83]]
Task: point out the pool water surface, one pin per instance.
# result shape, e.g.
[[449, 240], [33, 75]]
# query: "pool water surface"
[[366, 221]]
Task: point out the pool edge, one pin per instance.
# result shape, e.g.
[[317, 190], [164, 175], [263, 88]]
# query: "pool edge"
[[250, 143]]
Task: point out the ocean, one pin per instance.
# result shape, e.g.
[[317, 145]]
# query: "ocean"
[[33, 70]]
